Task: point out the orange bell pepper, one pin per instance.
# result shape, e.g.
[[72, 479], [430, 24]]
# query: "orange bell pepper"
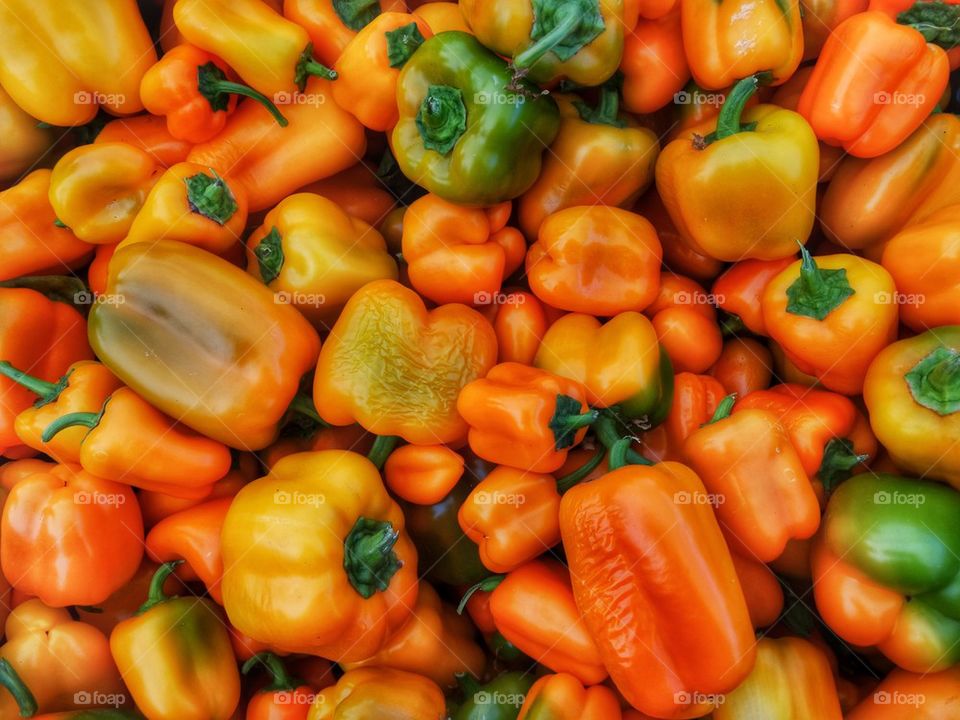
[[695, 400], [368, 68], [519, 320], [41, 337], [62, 663], [563, 697], [272, 162], [30, 240], [70, 538], [403, 355], [821, 17], [524, 417], [442, 16], [332, 26], [739, 290], [678, 255], [596, 260], [903, 695], [380, 693], [26, 142], [734, 40], [925, 18], [674, 570], [148, 133], [761, 589], [98, 269], [691, 340], [283, 698], [123, 604], [744, 365], [423, 474], [346, 437], [875, 82], [654, 64], [460, 254], [831, 316], [359, 193]]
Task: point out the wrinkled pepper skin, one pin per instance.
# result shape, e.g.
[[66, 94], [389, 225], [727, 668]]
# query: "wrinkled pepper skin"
[[666, 665], [288, 540], [620, 363], [596, 260], [332, 26], [25, 143], [885, 569], [911, 392], [462, 135], [874, 83], [380, 693], [175, 657], [654, 63], [232, 372], [401, 375], [792, 680], [30, 242], [907, 696], [62, 63], [563, 697], [316, 256], [70, 538]]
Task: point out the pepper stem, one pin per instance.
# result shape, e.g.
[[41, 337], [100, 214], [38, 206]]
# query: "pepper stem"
[[307, 66], [302, 404], [568, 481], [618, 453], [934, 382], [724, 408], [839, 460], [281, 680], [155, 594], [47, 391], [728, 123], [18, 688], [606, 111], [487, 585], [382, 447], [568, 22], [606, 431], [87, 419], [368, 557], [213, 85], [816, 292], [567, 419], [442, 118]]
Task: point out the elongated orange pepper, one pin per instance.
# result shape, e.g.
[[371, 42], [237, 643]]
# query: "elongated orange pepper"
[[423, 474], [332, 26], [459, 254], [519, 320], [563, 697], [442, 16], [739, 290], [380, 692], [744, 365], [761, 589], [654, 64], [283, 698], [148, 133], [695, 399]]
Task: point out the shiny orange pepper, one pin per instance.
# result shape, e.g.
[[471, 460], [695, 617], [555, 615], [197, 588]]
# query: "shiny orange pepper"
[[460, 254], [744, 365], [519, 320], [148, 133], [283, 698], [678, 255], [692, 341], [332, 26], [380, 693], [739, 290], [524, 417], [422, 474], [874, 83], [596, 260], [761, 590], [442, 16], [563, 697], [70, 538], [695, 399], [654, 63], [359, 193]]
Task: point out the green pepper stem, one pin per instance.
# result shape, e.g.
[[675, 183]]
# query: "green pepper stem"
[[227, 86], [724, 408], [213, 85], [18, 688], [382, 447], [567, 419], [618, 453], [934, 382], [46, 390], [568, 481], [487, 585], [467, 683], [728, 123], [155, 594], [87, 419], [606, 431], [368, 557], [307, 66], [568, 24], [281, 680], [606, 112], [302, 404]]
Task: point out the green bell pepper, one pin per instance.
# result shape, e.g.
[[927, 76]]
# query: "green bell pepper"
[[499, 699]]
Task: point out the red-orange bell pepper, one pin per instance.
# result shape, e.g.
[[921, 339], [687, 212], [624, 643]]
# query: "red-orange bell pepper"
[[332, 26], [423, 474], [654, 64]]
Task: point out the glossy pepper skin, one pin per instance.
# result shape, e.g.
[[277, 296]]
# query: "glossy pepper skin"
[[380, 692], [524, 417], [607, 526], [26, 142], [769, 208], [413, 359], [423, 474], [792, 680], [596, 260], [619, 363], [459, 254], [315, 256], [232, 372], [744, 365], [695, 399], [332, 26], [462, 134], [61, 63], [150, 134], [728, 41], [820, 17], [654, 64], [898, 695], [831, 315], [599, 157], [739, 290], [549, 40], [70, 538], [911, 392], [874, 83], [30, 241], [520, 321], [563, 697], [39, 638], [368, 68], [885, 569], [283, 698], [175, 657], [332, 577]]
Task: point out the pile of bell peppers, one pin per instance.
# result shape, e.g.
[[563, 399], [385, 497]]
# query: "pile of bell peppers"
[[518, 360]]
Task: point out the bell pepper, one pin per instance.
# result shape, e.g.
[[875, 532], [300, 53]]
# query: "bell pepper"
[[30, 240], [196, 93], [912, 393], [271, 162], [70, 538], [232, 372], [695, 400], [62, 64], [413, 359], [422, 474], [327, 511], [175, 657], [871, 200], [456, 104], [792, 680], [599, 157], [381, 693], [368, 68], [26, 142], [768, 209], [97, 190], [685, 323], [563, 697], [148, 133], [61, 663], [283, 698], [596, 260], [519, 320], [359, 193], [677, 253], [652, 528], [744, 365], [459, 254], [123, 604], [831, 316], [654, 64], [739, 290], [499, 699], [874, 83], [550, 40], [762, 496], [436, 643], [821, 17], [524, 417], [512, 516], [332, 26], [313, 255], [442, 16], [908, 696], [619, 363], [885, 569], [761, 589]]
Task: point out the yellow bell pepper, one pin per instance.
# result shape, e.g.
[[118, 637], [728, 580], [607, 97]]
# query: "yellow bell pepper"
[[380, 693], [24, 142]]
